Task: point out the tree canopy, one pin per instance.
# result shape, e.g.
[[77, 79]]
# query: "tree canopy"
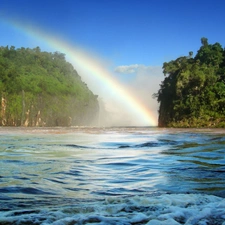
[[42, 89], [193, 91]]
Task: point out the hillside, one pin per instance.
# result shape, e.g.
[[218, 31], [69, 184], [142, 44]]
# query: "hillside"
[[193, 91], [42, 89]]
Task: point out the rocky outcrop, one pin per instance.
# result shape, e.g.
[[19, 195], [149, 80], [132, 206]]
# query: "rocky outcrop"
[[42, 89], [41, 113]]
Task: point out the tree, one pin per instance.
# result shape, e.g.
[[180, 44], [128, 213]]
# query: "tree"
[[192, 93], [204, 41], [42, 88]]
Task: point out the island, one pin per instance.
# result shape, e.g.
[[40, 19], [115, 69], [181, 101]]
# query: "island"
[[193, 91], [39, 88]]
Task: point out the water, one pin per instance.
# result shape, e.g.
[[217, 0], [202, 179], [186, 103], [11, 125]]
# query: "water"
[[112, 176]]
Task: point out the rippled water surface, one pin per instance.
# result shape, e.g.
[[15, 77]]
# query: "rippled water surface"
[[112, 176]]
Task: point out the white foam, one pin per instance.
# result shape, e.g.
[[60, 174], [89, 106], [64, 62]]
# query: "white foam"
[[174, 209]]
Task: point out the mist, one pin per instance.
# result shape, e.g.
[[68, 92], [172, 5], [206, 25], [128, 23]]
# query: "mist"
[[137, 80], [144, 82]]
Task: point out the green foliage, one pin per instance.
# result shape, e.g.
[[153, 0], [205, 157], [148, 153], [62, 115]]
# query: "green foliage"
[[42, 89], [193, 91]]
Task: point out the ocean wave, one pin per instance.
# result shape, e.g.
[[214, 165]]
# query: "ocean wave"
[[25, 190], [115, 145], [166, 209]]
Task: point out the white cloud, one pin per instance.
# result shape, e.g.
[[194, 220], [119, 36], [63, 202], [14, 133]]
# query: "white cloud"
[[127, 69], [139, 69]]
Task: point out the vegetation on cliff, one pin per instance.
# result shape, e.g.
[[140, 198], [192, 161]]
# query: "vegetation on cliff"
[[42, 89], [193, 91]]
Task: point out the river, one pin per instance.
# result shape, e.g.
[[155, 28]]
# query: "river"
[[120, 175]]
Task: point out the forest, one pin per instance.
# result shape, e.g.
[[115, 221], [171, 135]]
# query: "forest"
[[39, 88], [193, 91]]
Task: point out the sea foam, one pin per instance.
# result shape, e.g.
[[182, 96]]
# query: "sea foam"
[[166, 209]]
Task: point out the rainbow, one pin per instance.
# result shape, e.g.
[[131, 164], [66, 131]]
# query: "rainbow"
[[91, 66]]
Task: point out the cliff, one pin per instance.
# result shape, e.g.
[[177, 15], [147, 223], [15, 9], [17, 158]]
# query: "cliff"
[[42, 89], [193, 91]]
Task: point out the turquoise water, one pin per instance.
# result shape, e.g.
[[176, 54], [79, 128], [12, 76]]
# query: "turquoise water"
[[133, 175]]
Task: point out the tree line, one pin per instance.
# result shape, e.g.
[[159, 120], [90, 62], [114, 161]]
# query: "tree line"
[[193, 91], [39, 88]]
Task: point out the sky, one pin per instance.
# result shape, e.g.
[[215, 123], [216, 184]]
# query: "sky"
[[132, 39]]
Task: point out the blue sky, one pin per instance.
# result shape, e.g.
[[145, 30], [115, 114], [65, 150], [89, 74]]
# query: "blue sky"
[[135, 36], [145, 32]]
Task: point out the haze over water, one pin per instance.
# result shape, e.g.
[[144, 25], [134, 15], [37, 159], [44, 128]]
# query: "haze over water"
[[136, 175]]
